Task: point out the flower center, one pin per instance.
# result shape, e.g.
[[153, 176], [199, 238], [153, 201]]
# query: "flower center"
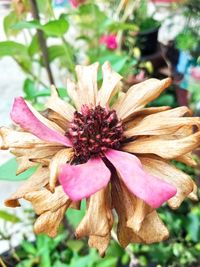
[[93, 131]]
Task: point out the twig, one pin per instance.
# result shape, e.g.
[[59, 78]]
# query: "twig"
[[133, 260], [42, 41], [2, 262]]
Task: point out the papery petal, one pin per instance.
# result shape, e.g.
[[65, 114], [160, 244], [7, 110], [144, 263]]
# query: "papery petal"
[[169, 173], [156, 126], [141, 94], [111, 80], [80, 181], [23, 116], [15, 139], [145, 186], [101, 243], [98, 219], [166, 147], [87, 83], [38, 180], [44, 200], [137, 222], [49, 221], [60, 106], [73, 94], [63, 156]]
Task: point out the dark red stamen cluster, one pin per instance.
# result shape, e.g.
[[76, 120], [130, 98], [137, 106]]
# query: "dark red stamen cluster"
[[93, 131]]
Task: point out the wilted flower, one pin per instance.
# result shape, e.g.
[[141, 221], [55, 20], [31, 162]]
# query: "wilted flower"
[[117, 156], [109, 40]]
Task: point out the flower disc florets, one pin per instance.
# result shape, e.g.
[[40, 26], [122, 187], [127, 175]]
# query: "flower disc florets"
[[93, 131]]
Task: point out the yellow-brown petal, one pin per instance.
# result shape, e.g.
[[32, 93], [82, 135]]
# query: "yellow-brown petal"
[[172, 175], [141, 94], [150, 230], [12, 139], [63, 156], [146, 111], [58, 119], [98, 218], [101, 243], [36, 152], [193, 195], [60, 106], [72, 91], [109, 87], [49, 221], [44, 200], [87, 83], [37, 181], [187, 159], [24, 164], [167, 148], [155, 125], [50, 124]]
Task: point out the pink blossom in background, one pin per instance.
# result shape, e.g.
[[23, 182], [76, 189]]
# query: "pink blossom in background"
[[195, 73], [109, 40], [76, 3]]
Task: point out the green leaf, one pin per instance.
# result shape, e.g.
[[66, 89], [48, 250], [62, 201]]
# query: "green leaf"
[[117, 26], [33, 24], [75, 245], [9, 217], [28, 247], [8, 171], [31, 92], [55, 51], [75, 216], [108, 262], [34, 47], [8, 23], [11, 48], [29, 89], [56, 28]]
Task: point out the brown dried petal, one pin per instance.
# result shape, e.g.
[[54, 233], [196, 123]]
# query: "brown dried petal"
[[141, 94], [87, 83], [160, 125], [72, 92], [151, 230], [44, 200], [63, 156], [164, 147], [50, 124], [109, 87], [101, 243], [13, 139], [38, 180], [98, 219], [49, 221], [63, 108], [24, 164], [172, 175]]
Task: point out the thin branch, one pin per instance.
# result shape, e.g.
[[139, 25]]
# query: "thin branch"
[[42, 41], [133, 260]]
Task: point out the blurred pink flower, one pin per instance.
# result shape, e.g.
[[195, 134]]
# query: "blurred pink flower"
[[195, 73], [109, 40], [76, 3]]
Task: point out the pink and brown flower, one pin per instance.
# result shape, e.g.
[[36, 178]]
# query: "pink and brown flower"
[[116, 156]]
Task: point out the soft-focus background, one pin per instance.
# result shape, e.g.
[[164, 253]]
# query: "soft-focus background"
[[141, 39]]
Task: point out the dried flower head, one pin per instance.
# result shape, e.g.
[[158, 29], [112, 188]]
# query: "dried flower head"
[[117, 156]]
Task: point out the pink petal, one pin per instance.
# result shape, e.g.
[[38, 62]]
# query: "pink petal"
[[145, 186], [23, 116], [81, 181]]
